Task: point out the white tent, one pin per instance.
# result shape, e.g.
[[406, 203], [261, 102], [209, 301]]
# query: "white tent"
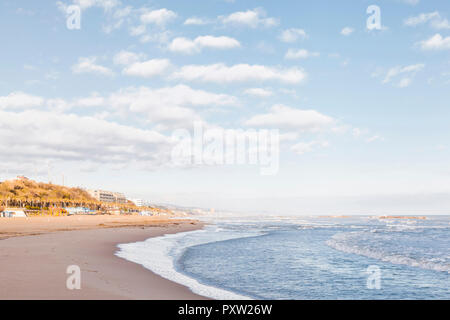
[[14, 213]]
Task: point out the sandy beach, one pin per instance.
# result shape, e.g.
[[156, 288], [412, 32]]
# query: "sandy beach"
[[35, 254]]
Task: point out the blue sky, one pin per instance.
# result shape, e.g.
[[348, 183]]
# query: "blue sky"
[[363, 113]]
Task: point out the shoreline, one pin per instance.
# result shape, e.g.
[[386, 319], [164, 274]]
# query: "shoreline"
[[34, 260]]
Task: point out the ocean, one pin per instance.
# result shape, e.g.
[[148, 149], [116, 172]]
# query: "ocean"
[[275, 257]]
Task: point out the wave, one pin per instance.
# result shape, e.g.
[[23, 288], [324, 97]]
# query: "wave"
[[159, 255], [341, 242]]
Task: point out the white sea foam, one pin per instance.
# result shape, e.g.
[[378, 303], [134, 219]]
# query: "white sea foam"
[[159, 255], [341, 242]]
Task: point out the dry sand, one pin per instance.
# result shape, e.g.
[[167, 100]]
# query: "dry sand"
[[35, 254]]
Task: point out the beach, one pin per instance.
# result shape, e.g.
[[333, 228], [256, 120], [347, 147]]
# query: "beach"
[[35, 254]]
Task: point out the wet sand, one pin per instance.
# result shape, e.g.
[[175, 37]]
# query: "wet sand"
[[35, 254]]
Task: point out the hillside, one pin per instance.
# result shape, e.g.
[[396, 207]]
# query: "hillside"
[[24, 189]]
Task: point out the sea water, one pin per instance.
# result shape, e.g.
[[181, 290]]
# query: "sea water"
[[305, 258]]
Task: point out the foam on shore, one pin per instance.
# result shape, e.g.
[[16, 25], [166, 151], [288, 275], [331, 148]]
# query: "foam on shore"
[[159, 255]]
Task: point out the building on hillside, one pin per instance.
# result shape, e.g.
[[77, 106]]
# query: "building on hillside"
[[108, 196], [140, 202], [119, 197]]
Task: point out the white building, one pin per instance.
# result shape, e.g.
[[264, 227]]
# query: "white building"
[[140, 202], [108, 196], [13, 213]]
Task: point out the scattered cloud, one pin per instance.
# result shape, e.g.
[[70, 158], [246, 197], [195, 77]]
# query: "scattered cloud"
[[251, 18], [292, 35], [300, 54], [284, 117], [194, 21], [400, 76], [94, 100], [221, 73], [54, 136], [168, 107], [144, 99], [127, 57], [347, 31], [188, 46], [435, 20], [158, 17], [147, 69], [89, 65], [436, 42], [20, 100], [258, 92]]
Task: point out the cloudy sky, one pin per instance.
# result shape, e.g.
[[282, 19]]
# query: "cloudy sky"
[[363, 114]]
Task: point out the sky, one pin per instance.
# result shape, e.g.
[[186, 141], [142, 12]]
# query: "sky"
[[94, 93]]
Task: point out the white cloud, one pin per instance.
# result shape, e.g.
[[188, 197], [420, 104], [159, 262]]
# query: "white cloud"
[[169, 106], [158, 17], [284, 117], [138, 31], [122, 12], [20, 100], [441, 24], [347, 31], [305, 147], [88, 65], [127, 57], [259, 92], [292, 35], [300, 54], [251, 18], [217, 42], [46, 134], [157, 37], [399, 70], [93, 101], [144, 99], [194, 21], [54, 136], [434, 18], [373, 139], [421, 18], [188, 46], [405, 82], [147, 69], [221, 73], [57, 105], [407, 74], [436, 42], [184, 45]]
